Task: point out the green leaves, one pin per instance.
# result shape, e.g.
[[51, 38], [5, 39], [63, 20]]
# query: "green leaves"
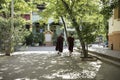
[[107, 8], [20, 6], [89, 31], [17, 36]]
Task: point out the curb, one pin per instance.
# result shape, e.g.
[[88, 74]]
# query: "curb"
[[106, 58]]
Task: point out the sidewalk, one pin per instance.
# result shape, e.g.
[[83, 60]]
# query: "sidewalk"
[[43, 63], [112, 55]]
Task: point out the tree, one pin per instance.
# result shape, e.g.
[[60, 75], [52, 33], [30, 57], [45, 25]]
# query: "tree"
[[107, 7], [88, 27], [78, 12], [16, 34]]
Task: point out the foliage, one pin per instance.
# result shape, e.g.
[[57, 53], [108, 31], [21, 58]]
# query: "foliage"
[[20, 32], [5, 35], [9, 37], [38, 37], [20, 7], [107, 7], [15, 35], [29, 39], [88, 32], [78, 12], [106, 10], [85, 13]]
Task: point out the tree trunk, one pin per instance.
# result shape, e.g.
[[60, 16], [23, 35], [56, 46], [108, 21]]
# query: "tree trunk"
[[80, 38], [65, 29], [76, 25], [7, 52]]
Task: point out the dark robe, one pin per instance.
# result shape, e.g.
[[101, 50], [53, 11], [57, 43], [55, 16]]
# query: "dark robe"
[[70, 43], [59, 44]]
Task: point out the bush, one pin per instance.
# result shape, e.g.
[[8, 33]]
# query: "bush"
[[11, 37]]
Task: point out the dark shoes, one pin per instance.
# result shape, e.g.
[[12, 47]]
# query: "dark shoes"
[[59, 53]]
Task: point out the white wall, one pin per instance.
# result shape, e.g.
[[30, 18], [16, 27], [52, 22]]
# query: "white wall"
[[114, 25]]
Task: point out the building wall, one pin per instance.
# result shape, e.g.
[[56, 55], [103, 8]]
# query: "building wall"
[[114, 39], [114, 30]]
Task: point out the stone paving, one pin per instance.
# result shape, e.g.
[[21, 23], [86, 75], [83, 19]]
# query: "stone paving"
[[43, 63], [106, 51]]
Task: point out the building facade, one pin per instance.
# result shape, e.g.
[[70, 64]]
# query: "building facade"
[[114, 29]]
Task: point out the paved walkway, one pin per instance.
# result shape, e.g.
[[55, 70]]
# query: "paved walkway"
[[43, 63], [106, 52]]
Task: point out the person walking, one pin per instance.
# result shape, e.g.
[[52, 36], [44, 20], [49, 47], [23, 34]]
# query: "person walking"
[[59, 43], [70, 40]]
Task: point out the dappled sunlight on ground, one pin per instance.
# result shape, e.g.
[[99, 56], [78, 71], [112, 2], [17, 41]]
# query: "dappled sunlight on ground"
[[47, 65]]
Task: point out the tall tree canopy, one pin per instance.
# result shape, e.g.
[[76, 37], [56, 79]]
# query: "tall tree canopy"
[[84, 16]]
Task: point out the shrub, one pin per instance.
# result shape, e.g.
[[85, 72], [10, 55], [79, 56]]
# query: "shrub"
[[11, 37]]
